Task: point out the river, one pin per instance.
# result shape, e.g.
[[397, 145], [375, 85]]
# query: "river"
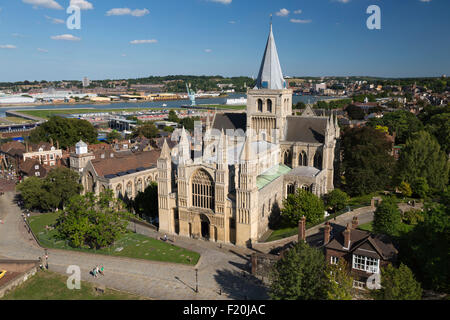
[[149, 105]]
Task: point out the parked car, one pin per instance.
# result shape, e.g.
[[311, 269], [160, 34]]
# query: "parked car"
[[2, 273]]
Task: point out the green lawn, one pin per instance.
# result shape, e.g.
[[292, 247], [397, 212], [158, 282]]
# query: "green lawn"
[[130, 245], [366, 227], [47, 285], [282, 233]]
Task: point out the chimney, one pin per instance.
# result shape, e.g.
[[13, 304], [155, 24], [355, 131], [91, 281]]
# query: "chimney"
[[355, 222], [302, 229], [57, 145], [326, 233], [347, 236]]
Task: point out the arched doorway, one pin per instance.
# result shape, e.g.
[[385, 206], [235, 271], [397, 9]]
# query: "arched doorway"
[[205, 227]]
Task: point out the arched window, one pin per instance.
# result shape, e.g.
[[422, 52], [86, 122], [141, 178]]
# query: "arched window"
[[287, 158], [139, 186], [269, 105], [90, 183], [129, 189], [303, 159], [202, 190], [119, 191], [290, 189], [318, 161], [260, 105]]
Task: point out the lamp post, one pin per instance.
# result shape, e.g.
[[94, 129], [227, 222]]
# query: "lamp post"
[[196, 280]]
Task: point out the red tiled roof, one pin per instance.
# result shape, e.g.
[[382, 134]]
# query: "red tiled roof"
[[110, 166]]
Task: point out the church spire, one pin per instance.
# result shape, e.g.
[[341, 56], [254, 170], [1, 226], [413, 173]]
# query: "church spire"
[[270, 74]]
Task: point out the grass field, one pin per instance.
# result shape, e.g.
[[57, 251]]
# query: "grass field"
[[130, 245], [47, 285], [366, 227]]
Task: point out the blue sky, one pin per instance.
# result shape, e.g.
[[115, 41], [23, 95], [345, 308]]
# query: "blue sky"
[[222, 37]]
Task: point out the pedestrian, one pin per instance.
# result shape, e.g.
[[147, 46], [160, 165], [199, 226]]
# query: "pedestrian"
[[165, 237], [101, 270]]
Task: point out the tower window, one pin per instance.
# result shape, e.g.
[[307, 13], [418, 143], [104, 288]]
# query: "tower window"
[[269, 105], [260, 105], [202, 190]]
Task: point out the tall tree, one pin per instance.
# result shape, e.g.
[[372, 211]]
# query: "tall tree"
[[299, 275], [387, 218], [302, 203], [340, 281], [422, 158], [146, 203], [399, 284], [367, 161], [148, 130], [93, 221], [337, 199]]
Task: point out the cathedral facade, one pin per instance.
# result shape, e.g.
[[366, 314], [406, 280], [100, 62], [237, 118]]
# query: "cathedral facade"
[[223, 184]]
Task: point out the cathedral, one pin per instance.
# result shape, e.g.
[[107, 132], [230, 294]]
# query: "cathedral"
[[223, 184]]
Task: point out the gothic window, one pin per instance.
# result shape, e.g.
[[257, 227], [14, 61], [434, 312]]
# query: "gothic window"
[[318, 161], [129, 189], [303, 159], [269, 105], [202, 190], [287, 158], [290, 189], [260, 105], [139, 186], [119, 191]]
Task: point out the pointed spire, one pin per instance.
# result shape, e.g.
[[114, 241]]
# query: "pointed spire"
[[270, 73], [165, 151], [246, 154]]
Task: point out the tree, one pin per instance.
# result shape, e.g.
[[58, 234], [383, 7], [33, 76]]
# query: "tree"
[[337, 199], [422, 158], [31, 192], [405, 189], [66, 131], [148, 130], [299, 275], [302, 203], [299, 105], [399, 284], [146, 203], [425, 248], [112, 136], [387, 218], [92, 221], [52, 192], [63, 184], [439, 126], [355, 113], [173, 116], [340, 281], [367, 161], [402, 122]]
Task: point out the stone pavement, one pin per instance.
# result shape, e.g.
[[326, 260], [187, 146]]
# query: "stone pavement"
[[220, 271]]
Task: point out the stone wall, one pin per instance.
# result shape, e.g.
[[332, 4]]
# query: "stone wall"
[[262, 264], [24, 269]]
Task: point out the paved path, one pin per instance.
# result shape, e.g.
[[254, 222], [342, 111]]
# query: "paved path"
[[219, 270]]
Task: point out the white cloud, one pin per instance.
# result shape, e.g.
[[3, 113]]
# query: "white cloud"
[[124, 55], [54, 20], [208, 50], [83, 4], [298, 11], [17, 35], [127, 11], [300, 21], [222, 1], [42, 50], [49, 4], [232, 22], [283, 12], [425, 0], [343, 1], [66, 37], [143, 41], [7, 46]]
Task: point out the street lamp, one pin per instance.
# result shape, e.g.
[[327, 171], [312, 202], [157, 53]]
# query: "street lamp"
[[196, 280]]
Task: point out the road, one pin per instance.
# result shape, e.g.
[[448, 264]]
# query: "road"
[[220, 270]]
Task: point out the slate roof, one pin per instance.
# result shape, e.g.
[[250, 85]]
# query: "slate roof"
[[306, 129], [126, 163], [227, 121]]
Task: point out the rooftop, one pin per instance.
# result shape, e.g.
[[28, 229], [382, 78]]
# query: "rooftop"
[[271, 175]]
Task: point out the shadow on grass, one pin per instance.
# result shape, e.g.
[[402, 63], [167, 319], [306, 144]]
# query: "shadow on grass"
[[240, 287]]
